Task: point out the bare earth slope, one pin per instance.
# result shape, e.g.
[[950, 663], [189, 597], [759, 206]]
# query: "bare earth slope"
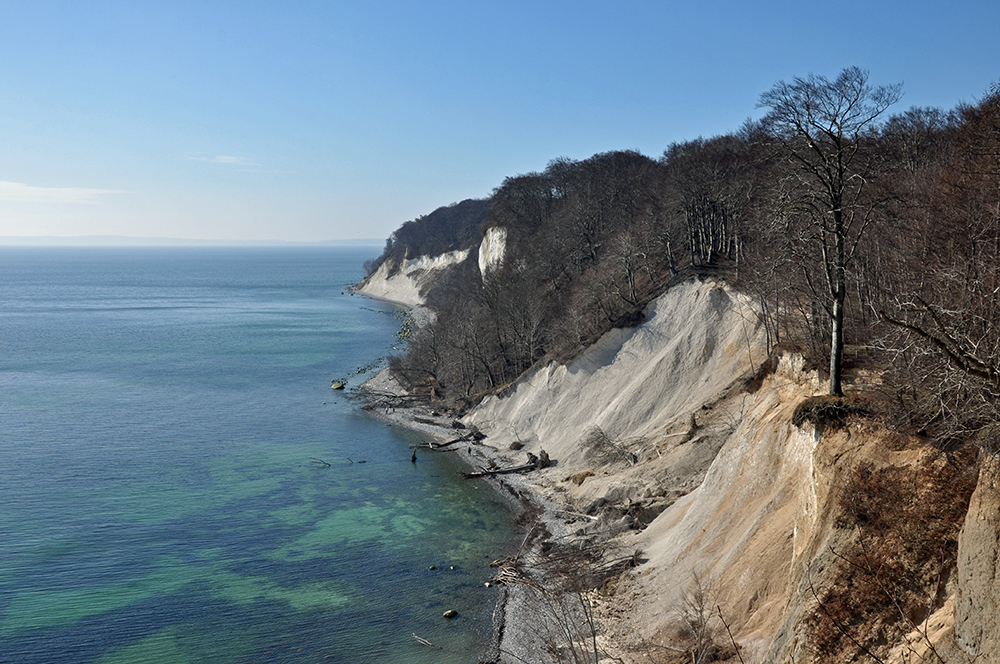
[[712, 483], [664, 446], [696, 341]]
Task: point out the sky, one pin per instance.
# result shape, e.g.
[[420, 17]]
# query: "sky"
[[302, 121]]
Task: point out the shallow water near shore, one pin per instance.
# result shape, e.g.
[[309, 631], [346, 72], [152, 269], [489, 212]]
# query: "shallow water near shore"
[[161, 413]]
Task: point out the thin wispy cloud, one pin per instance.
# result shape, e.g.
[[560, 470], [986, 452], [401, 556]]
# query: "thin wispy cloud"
[[229, 160], [18, 192]]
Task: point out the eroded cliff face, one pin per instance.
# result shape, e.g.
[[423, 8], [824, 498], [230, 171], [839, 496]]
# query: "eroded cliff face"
[[735, 480], [406, 284], [633, 382], [665, 446], [675, 441], [977, 611], [492, 250]]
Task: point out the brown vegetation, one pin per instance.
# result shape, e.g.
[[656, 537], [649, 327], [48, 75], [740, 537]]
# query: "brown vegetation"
[[892, 575], [900, 257]]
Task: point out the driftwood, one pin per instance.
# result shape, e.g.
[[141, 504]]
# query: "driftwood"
[[534, 463], [425, 642], [439, 447], [376, 399], [499, 471]]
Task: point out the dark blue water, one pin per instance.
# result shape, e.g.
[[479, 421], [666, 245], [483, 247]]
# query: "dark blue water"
[[159, 411]]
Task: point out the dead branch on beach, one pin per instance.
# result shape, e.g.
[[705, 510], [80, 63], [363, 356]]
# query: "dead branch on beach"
[[378, 399], [499, 471], [609, 450], [534, 463], [441, 447]]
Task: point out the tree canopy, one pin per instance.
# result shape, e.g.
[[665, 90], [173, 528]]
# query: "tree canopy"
[[867, 240]]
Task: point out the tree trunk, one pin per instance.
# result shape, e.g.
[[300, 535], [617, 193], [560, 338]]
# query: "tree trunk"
[[837, 343]]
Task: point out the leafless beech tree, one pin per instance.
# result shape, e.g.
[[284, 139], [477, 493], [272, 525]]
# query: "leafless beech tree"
[[710, 184], [822, 126]]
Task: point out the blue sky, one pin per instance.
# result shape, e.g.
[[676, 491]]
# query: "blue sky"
[[312, 121]]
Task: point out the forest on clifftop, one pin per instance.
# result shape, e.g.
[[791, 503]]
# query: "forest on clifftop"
[[870, 241]]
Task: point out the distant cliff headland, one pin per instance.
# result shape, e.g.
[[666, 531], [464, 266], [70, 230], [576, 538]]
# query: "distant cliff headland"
[[767, 367]]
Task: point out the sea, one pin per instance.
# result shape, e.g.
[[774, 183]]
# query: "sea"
[[179, 483]]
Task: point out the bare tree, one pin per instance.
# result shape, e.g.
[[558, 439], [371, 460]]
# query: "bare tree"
[[945, 288], [710, 183], [822, 126]]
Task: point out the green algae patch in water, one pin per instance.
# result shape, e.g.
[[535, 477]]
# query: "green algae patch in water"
[[302, 597], [161, 648]]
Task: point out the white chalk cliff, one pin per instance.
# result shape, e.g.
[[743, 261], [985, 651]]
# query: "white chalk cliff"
[[746, 498], [754, 496], [406, 284], [491, 250]]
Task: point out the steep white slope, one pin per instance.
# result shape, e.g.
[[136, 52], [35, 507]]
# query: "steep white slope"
[[746, 529], [492, 249], [406, 285], [752, 520], [697, 339]]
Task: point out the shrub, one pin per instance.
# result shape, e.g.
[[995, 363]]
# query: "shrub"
[[892, 574]]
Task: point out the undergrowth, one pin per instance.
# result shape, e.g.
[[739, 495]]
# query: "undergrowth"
[[893, 574]]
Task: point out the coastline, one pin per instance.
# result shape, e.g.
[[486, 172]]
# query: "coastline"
[[531, 511], [671, 392], [518, 633]]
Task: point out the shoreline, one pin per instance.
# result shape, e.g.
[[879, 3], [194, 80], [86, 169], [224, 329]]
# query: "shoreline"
[[532, 512]]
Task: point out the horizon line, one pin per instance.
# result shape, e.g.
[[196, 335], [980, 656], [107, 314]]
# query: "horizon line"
[[141, 241]]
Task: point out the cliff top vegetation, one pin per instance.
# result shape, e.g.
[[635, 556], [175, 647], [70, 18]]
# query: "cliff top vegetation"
[[447, 228], [868, 239]]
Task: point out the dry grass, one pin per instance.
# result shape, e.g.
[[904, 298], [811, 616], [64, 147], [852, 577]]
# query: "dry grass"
[[893, 574]]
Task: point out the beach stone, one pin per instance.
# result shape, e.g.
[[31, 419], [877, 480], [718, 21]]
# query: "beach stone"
[[543, 460]]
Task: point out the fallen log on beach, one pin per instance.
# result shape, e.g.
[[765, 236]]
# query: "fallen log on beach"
[[499, 471], [439, 447], [534, 463], [379, 399]]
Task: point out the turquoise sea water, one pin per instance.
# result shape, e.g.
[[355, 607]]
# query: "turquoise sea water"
[[159, 410]]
